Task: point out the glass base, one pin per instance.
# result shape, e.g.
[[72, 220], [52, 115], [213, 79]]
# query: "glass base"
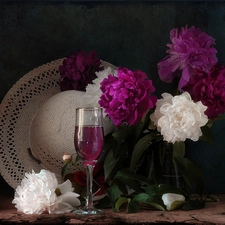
[[88, 211]]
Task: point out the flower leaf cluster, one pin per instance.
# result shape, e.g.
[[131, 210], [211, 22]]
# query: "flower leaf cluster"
[[173, 120], [148, 130]]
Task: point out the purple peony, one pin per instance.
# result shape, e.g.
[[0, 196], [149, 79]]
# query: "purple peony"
[[79, 70], [209, 88], [190, 49], [127, 97]]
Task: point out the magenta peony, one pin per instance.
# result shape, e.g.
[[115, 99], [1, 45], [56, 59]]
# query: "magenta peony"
[[191, 48], [127, 97], [79, 70], [209, 88]]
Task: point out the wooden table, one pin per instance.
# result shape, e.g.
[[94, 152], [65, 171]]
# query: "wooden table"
[[213, 213]]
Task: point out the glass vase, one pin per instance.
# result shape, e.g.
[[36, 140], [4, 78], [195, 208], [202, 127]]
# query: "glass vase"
[[170, 173]]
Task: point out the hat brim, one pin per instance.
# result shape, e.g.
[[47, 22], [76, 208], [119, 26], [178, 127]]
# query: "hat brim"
[[17, 111]]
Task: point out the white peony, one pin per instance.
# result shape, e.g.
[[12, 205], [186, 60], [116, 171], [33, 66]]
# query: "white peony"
[[172, 201], [179, 117], [93, 92], [36, 194]]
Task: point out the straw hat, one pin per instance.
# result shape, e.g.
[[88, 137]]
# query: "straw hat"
[[37, 124]]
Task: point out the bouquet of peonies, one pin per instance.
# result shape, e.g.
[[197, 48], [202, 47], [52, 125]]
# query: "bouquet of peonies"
[[134, 153]]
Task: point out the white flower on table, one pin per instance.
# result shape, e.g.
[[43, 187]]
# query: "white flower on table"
[[179, 117], [172, 201], [37, 194]]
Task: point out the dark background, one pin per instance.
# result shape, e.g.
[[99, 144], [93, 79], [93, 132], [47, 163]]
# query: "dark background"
[[129, 34]]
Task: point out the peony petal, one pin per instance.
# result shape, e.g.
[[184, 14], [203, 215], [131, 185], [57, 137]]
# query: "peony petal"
[[63, 207], [172, 201], [70, 198], [65, 187], [186, 74]]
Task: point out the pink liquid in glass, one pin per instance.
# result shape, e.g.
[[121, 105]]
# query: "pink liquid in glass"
[[88, 141]]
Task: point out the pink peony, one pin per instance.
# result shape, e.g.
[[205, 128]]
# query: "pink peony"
[[209, 88], [79, 70], [127, 97], [190, 49]]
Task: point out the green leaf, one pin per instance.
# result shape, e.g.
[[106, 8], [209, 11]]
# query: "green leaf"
[[176, 205], [139, 149], [161, 189], [103, 203], [146, 118], [120, 149], [134, 181], [119, 202], [108, 143], [179, 149], [121, 134], [143, 198], [121, 185], [130, 182], [194, 204], [111, 164], [154, 201], [156, 206], [207, 135], [191, 173], [64, 169], [113, 193], [137, 131], [133, 207]]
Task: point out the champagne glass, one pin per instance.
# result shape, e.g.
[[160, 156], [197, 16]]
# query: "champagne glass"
[[88, 141]]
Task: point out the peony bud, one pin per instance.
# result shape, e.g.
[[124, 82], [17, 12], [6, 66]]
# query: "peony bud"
[[67, 157]]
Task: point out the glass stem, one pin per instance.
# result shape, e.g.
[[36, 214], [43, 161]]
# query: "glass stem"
[[89, 179]]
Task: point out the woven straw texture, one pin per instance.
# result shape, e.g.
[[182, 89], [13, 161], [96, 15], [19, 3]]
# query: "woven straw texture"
[[31, 118]]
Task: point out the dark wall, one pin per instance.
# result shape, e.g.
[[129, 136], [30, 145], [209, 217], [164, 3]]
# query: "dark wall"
[[125, 33], [133, 34]]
